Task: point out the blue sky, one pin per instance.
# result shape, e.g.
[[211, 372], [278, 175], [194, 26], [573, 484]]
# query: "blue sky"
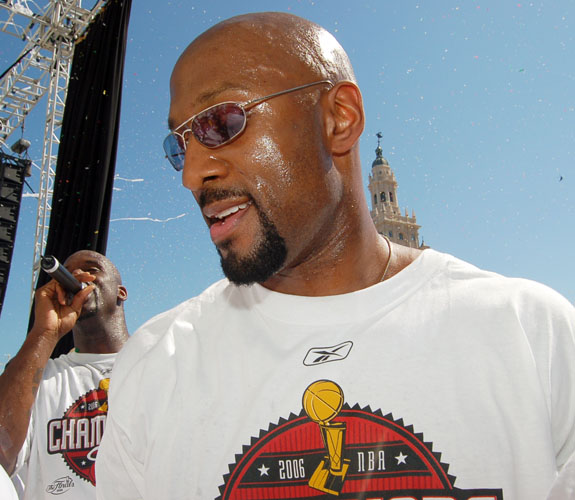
[[475, 101]]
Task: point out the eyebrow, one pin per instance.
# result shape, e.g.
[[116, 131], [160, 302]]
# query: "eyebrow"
[[94, 263], [90, 263], [207, 96]]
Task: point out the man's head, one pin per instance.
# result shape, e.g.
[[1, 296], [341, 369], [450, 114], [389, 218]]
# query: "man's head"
[[109, 293], [277, 193]]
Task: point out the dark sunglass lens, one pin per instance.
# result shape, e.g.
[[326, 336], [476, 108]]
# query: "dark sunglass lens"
[[219, 124], [173, 146]]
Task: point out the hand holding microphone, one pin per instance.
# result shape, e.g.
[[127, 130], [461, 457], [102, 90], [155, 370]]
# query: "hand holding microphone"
[[57, 308], [57, 271]]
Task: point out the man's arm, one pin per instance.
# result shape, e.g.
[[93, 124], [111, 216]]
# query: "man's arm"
[[22, 376]]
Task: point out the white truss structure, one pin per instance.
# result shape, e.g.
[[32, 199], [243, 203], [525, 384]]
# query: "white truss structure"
[[43, 68]]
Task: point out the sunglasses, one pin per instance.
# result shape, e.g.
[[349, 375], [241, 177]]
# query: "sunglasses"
[[217, 125]]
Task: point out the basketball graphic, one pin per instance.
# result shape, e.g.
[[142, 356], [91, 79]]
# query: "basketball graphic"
[[322, 401]]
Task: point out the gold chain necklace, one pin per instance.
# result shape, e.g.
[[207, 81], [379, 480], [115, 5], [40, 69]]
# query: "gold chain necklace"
[[388, 258]]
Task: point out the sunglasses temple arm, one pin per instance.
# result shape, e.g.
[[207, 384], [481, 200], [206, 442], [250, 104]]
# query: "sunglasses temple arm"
[[257, 101]]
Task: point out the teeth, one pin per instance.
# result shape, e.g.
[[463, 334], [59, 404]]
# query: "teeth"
[[232, 210]]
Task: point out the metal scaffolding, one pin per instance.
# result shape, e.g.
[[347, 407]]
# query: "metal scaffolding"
[[43, 67]]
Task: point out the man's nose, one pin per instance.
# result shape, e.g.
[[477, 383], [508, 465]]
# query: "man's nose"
[[202, 166]]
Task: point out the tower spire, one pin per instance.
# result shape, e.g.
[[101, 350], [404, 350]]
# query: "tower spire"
[[385, 212], [378, 150]]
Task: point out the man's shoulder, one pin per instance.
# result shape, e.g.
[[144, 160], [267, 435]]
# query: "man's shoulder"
[[72, 366], [159, 331], [190, 308], [491, 287], [158, 349]]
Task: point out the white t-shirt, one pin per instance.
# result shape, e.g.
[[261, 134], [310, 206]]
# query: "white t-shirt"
[[7, 491], [66, 426], [444, 381], [564, 486]]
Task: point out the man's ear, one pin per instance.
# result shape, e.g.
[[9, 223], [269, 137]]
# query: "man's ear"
[[344, 116], [122, 293]]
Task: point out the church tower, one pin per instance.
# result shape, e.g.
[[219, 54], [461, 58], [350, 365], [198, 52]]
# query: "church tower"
[[385, 210]]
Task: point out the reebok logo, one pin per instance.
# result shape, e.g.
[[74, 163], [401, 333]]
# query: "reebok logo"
[[319, 355]]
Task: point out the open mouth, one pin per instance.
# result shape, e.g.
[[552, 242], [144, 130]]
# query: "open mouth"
[[224, 220], [221, 216]]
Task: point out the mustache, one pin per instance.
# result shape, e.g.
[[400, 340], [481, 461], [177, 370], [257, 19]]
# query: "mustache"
[[210, 195]]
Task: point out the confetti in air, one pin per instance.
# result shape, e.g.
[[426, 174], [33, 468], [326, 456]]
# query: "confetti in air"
[[148, 218], [118, 178]]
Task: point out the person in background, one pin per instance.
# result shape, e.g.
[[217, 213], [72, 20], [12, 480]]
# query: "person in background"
[[53, 411], [329, 363]]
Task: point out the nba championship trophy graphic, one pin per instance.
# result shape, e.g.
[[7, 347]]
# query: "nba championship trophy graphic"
[[322, 401]]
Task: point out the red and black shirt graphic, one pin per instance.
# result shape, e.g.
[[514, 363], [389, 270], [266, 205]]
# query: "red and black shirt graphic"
[[77, 435], [332, 450]]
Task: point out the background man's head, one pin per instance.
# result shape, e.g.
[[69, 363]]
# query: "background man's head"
[[109, 293], [291, 176]]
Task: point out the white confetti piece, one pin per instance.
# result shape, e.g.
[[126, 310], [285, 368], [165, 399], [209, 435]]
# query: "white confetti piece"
[[148, 218], [118, 178]]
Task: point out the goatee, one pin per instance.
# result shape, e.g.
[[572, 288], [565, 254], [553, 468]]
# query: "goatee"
[[262, 262]]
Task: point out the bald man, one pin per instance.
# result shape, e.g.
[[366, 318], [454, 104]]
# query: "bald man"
[[329, 362], [53, 411]]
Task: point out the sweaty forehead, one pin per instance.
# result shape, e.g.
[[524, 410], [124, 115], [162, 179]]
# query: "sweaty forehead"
[[205, 74], [206, 65], [84, 258]]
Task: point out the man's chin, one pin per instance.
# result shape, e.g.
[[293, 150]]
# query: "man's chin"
[[259, 265], [87, 314], [89, 310]]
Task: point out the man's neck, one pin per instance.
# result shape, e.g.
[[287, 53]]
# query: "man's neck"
[[100, 337], [343, 266]]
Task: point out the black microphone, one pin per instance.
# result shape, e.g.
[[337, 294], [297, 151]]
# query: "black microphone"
[[50, 265]]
